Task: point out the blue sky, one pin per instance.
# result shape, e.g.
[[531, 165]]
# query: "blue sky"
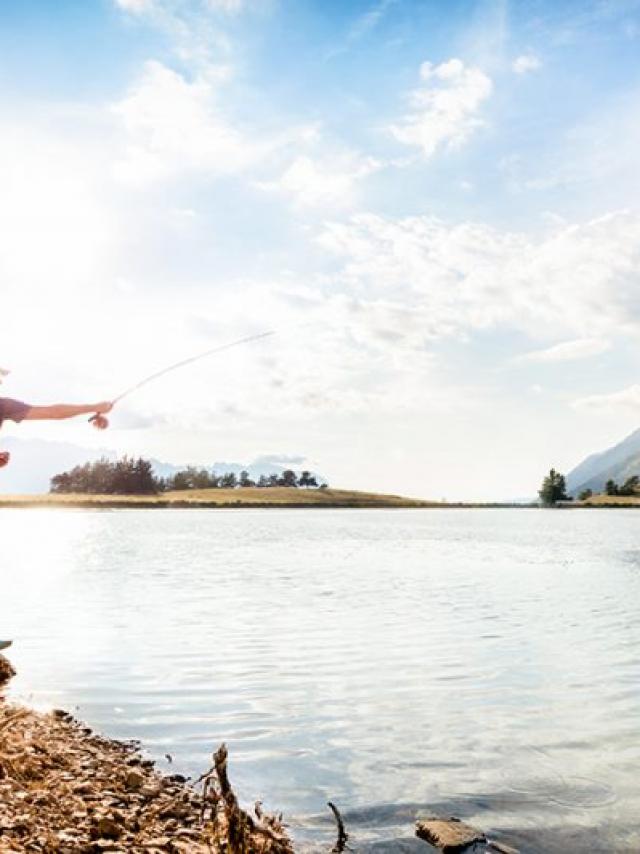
[[434, 202]]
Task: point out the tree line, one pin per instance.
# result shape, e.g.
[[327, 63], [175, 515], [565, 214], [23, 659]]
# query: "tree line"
[[631, 486], [136, 476], [554, 489]]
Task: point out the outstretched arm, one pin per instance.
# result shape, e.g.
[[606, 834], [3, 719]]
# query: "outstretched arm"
[[66, 410]]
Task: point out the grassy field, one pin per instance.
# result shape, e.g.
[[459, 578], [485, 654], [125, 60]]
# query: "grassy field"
[[611, 501], [244, 497]]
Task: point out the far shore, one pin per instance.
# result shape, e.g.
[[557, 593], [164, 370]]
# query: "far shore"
[[243, 497], [283, 498]]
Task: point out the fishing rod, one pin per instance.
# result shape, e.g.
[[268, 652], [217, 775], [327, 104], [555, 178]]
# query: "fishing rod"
[[101, 422]]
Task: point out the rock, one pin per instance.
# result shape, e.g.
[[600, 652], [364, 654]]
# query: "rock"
[[151, 790], [107, 828], [6, 670], [449, 834], [134, 781], [179, 810], [61, 715], [501, 848]]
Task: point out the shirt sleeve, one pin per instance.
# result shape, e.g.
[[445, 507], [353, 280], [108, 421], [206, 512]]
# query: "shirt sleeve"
[[13, 410]]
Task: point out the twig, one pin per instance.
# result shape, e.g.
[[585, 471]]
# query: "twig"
[[343, 836]]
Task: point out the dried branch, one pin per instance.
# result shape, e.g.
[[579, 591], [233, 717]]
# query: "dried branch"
[[343, 836]]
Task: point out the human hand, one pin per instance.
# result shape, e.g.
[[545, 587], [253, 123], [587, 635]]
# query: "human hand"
[[104, 407], [5, 456]]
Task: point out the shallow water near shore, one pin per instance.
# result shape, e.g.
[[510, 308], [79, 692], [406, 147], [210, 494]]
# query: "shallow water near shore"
[[478, 663]]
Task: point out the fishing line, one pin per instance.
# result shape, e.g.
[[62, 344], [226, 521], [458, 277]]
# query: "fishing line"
[[101, 422]]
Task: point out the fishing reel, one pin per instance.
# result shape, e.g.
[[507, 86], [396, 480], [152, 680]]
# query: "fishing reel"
[[100, 422]]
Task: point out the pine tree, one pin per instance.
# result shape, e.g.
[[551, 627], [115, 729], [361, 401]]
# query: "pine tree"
[[611, 487], [553, 489]]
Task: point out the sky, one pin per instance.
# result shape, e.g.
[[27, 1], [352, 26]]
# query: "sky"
[[434, 204]]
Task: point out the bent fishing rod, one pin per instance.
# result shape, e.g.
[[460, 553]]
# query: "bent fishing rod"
[[102, 422]]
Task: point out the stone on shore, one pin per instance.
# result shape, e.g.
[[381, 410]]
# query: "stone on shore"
[[6, 670]]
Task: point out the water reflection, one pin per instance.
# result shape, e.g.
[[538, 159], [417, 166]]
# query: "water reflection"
[[480, 663]]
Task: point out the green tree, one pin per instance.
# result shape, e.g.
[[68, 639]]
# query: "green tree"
[[288, 478], [201, 479], [611, 487], [553, 489], [585, 494], [630, 486], [124, 477], [229, 480], [145, 481]]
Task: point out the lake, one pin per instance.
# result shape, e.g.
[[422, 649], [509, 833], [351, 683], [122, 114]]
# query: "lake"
[[478, 663]]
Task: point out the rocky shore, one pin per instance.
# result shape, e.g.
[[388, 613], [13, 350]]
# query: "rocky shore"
[[66, 790]]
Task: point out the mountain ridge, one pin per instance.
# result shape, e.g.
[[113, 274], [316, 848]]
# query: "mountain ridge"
[[618, 463]]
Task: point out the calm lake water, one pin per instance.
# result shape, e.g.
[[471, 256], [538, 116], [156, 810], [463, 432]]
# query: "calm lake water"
[[480, 663]]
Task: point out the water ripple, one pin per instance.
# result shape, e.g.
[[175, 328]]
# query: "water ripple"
[[476, 663]]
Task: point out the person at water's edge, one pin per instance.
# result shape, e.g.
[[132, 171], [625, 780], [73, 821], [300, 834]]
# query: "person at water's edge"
[[16, 410]]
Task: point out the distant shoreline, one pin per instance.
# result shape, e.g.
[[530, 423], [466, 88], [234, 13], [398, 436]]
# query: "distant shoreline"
[[247, 497], [243, 497], [281, 497]]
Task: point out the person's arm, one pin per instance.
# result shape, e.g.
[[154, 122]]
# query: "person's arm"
[[66, 410]]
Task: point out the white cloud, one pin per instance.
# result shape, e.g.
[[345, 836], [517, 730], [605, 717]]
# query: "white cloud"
[[445, 109], [172, 126], [319, 181], [135, 7], [367, 21], [626, 399], [567, 351], [463, 277], [229, 6], [525, 63], [140, 7]]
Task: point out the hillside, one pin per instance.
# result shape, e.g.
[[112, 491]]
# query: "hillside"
[[245, 497], [617, 463]]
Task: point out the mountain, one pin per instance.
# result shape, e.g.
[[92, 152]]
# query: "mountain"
[[617, 463], [35, 461]]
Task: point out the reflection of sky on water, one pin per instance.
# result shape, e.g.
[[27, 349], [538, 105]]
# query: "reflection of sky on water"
[[482, 660]]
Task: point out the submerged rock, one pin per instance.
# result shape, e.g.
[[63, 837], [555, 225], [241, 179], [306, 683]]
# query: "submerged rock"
[[449, 834]]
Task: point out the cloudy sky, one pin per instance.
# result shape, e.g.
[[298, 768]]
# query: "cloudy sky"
[[434, 203]]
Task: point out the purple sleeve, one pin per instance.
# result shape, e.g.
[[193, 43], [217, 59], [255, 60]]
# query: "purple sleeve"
[[13, 410]]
